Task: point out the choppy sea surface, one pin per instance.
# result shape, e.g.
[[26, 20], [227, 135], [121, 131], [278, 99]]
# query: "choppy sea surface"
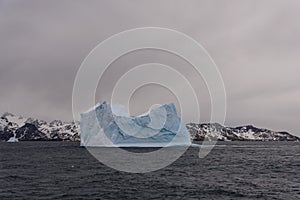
[[233, 170]]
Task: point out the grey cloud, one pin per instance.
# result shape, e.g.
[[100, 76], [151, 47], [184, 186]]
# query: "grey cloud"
[[254, 43]]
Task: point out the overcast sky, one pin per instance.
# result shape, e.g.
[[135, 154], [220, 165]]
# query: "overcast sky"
[[255, 44]]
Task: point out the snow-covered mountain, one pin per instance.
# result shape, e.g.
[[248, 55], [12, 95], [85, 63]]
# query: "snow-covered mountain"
[[29, 129], [241, 133]]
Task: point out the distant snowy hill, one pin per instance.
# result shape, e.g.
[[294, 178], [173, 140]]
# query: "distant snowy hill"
[[29, 129], [241, 133]]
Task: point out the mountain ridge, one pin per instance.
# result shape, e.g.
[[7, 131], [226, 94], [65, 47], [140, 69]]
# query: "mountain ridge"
[[30, 129]]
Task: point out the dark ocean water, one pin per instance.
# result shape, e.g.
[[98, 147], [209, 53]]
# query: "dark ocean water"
[[238, 170]]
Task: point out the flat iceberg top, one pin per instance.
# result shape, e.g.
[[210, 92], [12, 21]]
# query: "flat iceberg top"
[[111, 126]]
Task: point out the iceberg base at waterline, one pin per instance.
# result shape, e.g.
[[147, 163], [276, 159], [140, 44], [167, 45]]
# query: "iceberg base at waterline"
[[12, 139], [111, 126]]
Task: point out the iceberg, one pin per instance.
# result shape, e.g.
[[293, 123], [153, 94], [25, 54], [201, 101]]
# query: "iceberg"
[[112, 126], [12, 139]]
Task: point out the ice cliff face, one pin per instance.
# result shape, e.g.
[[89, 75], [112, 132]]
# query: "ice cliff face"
[[112, 126]]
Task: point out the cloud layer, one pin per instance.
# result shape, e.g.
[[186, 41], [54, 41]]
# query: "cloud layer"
[[255, 44]]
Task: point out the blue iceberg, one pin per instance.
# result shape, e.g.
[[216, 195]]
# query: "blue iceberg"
[[111, 126]]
